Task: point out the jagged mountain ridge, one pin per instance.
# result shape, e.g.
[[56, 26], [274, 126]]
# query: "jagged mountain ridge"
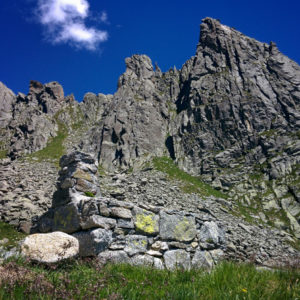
[[230, 115]]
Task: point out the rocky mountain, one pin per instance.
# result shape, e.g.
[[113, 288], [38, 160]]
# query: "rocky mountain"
[[221, 134]]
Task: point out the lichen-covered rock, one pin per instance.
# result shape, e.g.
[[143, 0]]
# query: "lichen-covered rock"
[[177, 227], [145, 221], [50, 247], [93, 242], [177, 259], [136, 244]]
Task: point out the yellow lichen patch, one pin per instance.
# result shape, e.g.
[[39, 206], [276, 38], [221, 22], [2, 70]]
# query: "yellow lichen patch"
[[82, 175], [146, 223], [185, 230]]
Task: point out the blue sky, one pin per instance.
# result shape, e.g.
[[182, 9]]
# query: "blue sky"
[[83, 43]]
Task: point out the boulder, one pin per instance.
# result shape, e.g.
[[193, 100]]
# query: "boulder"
[[50, 247], [177, 227]]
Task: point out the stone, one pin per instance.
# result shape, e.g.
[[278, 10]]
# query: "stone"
[[202, 260], [92, 242], [210, 233], [104, 210], [66, 219], [271, 205], [160, 246], [146, 222], [217, 255], [142, 260], [294, 225], [119, 245], [154, 253], [120, 212], [127, 224], [50, 247], [175, 227], [97, 221], [116, 257], [158, 264], [136, 244], [177, 259]]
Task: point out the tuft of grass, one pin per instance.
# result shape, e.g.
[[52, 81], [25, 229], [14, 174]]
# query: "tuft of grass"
[[190, 184], [88, 280], [89, 194], [101, 170], [10, 233], [3, 154]]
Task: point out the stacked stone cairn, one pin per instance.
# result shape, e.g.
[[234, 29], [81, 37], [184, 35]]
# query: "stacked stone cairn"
[[121, 232]]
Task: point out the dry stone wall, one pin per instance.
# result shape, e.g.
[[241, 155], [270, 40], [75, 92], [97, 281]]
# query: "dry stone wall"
[[123, 232]]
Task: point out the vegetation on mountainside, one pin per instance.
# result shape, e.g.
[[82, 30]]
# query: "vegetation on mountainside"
[[3, 154], [3, 150], [89, 280], [189, 184], [54, 148]]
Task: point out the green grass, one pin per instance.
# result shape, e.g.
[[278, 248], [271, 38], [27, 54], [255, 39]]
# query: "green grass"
[[9, 232], [89, 194], [101, 170], [3, 154], [190, 184], [87, 280]]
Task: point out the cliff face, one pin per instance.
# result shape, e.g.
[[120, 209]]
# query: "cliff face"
[[230, 115]]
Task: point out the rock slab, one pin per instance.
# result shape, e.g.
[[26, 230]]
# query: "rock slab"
[[50, 247]]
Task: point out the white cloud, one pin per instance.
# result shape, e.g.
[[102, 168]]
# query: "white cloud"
[[64, 23], [104, 17]]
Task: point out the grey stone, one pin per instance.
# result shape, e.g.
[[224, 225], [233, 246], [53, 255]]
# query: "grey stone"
[[175, 227], [142, 260], [92, 242], [120, 212], [96, 221], [211, 233], [127, 224], [217, 255], [202, 259], [158, 264], [66, 219], [177, 259], [116, 257], [160, 246], [136, 244]]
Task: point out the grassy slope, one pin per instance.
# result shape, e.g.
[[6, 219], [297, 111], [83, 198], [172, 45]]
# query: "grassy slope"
[[87, 280], [190, 184]]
